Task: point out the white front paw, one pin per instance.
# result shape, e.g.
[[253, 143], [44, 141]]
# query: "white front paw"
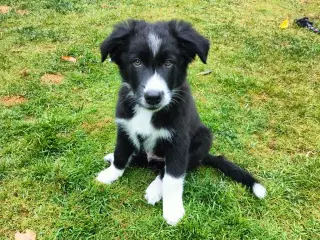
[[109, 158], [154, 191], [109, 175], [173, 214]]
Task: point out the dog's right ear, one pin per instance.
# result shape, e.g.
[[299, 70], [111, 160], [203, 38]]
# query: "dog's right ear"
[[113, 45]]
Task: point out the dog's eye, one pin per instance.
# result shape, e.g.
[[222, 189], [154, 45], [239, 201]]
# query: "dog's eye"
[[168, 63], [137, 62]]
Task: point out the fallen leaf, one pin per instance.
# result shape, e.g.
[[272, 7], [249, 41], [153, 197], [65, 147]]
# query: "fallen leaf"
[[284, 24], [68, 59], [103, 5], [205, 72], [29, 235], [51, 78], [285, 43], [4, 9], [17, 50], [22, 12], [12, 100], [24, 72], [310, 153]]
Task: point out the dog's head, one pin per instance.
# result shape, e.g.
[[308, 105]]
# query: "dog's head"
[[153, 58]]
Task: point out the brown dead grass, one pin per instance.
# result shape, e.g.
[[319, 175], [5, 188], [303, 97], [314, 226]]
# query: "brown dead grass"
[[52, 78], [9, 101], [90, 127], [24, 72], [6, 9], [22, 12], [260, 97]]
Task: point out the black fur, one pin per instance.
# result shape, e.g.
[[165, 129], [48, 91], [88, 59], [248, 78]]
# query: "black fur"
[[191, 140]]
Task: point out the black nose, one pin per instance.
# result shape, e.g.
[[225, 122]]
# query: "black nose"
[[153, 97]]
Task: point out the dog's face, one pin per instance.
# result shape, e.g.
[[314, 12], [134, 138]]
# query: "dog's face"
[[153, 58]]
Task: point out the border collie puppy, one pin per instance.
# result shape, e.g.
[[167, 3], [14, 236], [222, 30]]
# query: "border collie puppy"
[[156, 115]]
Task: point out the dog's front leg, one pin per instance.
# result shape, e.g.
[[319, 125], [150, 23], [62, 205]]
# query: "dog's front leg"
[[172, 184], [124, 149]]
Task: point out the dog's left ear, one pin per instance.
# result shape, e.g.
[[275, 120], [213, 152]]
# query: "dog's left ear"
[[190, 40], [113, 45]]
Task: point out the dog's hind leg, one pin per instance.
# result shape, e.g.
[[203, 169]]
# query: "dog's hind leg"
[[199, 154], [199, 147], [139, 159]]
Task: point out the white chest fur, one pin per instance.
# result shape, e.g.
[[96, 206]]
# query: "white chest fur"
[[141, 125]]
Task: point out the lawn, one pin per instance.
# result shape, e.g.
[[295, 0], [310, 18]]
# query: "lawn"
[[262, 101]]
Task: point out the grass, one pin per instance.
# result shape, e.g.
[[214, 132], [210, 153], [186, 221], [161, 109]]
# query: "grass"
[[262, 101]]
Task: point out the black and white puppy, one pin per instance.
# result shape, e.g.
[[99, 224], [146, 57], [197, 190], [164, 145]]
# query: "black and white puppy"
[[156, 115]]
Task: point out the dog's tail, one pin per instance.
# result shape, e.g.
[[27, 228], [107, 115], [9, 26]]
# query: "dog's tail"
[[236, 173]]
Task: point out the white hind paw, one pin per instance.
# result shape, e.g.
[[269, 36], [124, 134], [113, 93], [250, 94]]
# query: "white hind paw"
[[109, 158], [154, 191]]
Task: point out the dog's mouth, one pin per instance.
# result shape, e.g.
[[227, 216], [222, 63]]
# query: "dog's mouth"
[[152, 107]]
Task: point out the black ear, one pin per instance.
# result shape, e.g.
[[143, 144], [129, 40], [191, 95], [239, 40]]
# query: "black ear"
[[190, 40], [113, 45]]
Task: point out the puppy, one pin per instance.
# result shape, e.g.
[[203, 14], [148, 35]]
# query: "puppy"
[[156, 115]]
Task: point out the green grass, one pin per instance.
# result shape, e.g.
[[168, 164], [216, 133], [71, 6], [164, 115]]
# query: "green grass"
[[262, 101]]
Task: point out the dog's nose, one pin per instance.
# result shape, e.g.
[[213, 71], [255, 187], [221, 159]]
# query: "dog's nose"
[[153, 97]]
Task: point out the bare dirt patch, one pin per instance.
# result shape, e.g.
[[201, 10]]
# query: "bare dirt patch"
[[52, 78], [4, 9], [12, 100]]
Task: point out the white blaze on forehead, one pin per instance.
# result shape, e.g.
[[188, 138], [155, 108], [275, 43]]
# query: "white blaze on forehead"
[[154, 43]]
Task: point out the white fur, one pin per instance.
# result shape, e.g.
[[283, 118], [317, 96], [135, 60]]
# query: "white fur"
[[157, 83], [141, 124], [259, 190], [109, 158], [154, 43], [154, 191], [110, 174], [172, 189]]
